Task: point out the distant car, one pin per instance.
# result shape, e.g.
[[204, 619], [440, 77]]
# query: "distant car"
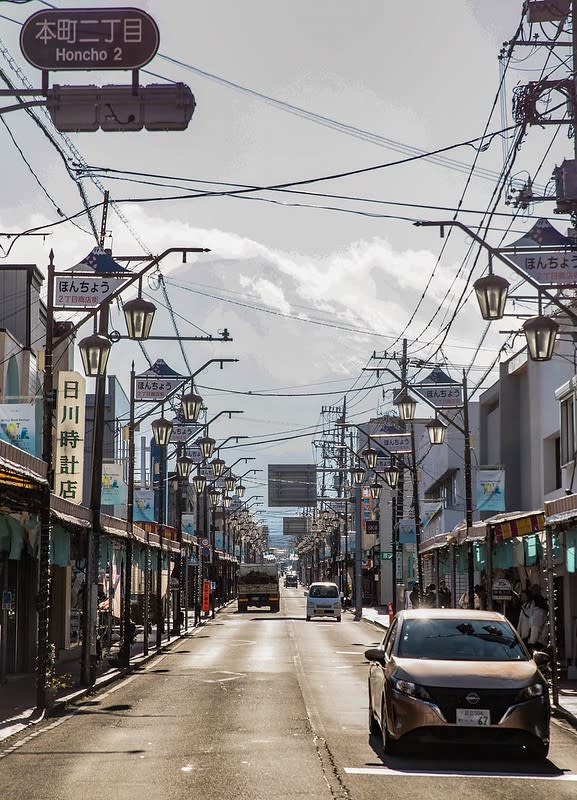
[[460, 676], [291, 580], [323, 600]]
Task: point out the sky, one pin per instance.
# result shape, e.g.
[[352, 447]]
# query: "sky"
[[308, 286]]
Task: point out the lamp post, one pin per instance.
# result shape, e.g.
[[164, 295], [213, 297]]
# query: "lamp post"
[[162, 432], [492, 290]]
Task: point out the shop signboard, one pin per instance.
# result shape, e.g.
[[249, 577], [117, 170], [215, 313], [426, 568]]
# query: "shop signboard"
[[114, 491], [502, 590], [143, 505], [70, 419], [490, 490], [17, 426], [407, 531], [189, 524]]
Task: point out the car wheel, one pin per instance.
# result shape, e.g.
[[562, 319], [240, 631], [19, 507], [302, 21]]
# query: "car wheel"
[[242, 608], [308, 618], [338, 619], [389, 745], [374, 727]]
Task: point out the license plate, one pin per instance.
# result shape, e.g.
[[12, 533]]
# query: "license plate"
[[255, 599], [473, 716]]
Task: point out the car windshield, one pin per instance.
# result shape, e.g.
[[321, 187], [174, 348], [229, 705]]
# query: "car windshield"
[[323, 591], [459, 640]]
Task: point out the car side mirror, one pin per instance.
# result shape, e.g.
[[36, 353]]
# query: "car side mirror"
[[540, 658], [375, 654]]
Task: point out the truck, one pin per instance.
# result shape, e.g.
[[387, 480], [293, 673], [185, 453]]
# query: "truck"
[[258, 585]]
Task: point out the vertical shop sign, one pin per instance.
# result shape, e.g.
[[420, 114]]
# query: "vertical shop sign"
[[70, 419], [206, 596]]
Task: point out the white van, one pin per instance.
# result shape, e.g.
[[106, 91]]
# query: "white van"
[[323, 600]]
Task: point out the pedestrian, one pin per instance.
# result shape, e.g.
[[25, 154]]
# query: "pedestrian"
[[430, 598], [525, 613], [444, 595], [480, 597], [414, 599], [539, 632]]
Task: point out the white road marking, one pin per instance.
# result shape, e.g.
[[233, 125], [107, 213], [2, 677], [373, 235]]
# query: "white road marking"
[[233, 676], [350, 653], [387, 772]]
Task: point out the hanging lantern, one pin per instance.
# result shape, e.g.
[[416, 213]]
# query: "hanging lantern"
[[370, 456], [191, 405], [199, 483], [214, 497], [226, 500], [357, 475], [218, 466], [206, 445], [162, 431], [184, 466], [541, 334], [139, 314], [240, 490], [406, 405], [375, 490], [436, 430], [229, 483], [391, 474], [491, 291], [94, 351]]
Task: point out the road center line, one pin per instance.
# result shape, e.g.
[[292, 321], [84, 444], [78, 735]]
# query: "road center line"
[[387, 772]]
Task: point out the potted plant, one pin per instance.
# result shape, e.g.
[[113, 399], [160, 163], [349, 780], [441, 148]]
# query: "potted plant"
[[55, 682]]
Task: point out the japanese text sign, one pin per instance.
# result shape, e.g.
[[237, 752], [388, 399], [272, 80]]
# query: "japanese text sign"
[[97, 38], [70, 418], [83, 290], [558, 268]]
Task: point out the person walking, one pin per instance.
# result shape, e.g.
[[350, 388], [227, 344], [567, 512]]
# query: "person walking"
[[525, 613], [539, 632], [444, 595]]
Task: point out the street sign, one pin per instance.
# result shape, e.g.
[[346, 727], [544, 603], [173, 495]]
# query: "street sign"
[[372, 527], [82, 290], [393, 442], [559, 268], [502, 589], [85, 39], [386, 555], [7, 598]]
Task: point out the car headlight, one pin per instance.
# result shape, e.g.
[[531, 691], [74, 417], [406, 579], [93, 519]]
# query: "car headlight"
[[529, 692], [411, 689]]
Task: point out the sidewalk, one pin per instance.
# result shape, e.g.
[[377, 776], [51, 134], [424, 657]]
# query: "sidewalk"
[[18, 694], [567, 688]]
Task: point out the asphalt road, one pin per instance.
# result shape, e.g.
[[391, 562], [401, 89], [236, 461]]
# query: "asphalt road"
[[256, 706]]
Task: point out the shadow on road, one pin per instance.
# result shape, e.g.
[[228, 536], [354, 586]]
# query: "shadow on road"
[[504, 762]]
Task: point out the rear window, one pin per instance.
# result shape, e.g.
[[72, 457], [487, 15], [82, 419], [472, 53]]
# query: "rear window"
[[459, 640], [324, 591]]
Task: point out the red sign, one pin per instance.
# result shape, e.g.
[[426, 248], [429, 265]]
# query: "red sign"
[[206, 596], [97, 38]]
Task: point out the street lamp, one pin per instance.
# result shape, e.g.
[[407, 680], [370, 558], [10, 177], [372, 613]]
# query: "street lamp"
[[162, 431], [94, 351], [491, 291], [541, 333], [218, 466], [226, 500], [391, 475], [370, 456], [139, 315], [206, 445], [229, 483], [375, 490], [240, 490], [407, 406], [214, 496], [436, 430], [357, 475], [184, 466], [191, 405], [199, 483]]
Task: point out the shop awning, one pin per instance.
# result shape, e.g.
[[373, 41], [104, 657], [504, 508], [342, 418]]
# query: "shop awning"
[[561, 512], [20, 470], [519, 523]]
